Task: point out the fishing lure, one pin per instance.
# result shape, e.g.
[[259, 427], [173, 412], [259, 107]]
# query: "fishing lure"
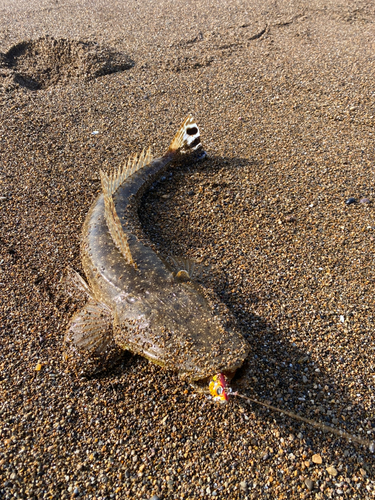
[[220, 389]]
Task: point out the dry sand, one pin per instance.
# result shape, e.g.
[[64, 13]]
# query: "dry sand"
[[284, 95]]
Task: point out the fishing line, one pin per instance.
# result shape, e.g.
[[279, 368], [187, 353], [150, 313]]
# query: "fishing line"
[[314, 423]]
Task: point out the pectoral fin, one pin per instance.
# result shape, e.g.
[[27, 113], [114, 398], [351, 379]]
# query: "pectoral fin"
[[89, 339], [183, 268]]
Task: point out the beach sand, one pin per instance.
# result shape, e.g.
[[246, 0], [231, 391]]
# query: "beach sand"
[[280, 217]]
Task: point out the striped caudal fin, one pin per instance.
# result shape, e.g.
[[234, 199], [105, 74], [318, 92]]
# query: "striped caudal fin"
[[188, 138], [110, 183]]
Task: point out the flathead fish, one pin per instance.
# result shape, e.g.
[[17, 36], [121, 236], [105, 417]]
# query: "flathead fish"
[[136, 300]]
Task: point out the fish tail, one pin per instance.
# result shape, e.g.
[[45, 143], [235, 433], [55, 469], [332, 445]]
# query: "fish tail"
[[187, 139]]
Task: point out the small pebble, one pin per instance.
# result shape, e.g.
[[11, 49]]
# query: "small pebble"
[[155, 497], [290, 218], [349, 201], [309, 484], [317, 459], [243, 486], [332, 471], [364, 201]]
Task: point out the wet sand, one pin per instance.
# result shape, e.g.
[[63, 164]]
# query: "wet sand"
[[280, 217]]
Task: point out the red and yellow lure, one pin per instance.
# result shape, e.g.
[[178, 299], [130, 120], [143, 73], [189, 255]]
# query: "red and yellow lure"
[[219, 388]]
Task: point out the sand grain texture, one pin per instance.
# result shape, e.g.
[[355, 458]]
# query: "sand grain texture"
[[284, 97]]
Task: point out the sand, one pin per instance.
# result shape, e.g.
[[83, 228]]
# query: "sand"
[[280, 218]]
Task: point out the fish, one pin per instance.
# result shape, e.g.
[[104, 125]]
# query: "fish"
[[137, 300]]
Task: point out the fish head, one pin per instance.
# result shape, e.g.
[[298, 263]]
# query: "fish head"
[[174, 326]]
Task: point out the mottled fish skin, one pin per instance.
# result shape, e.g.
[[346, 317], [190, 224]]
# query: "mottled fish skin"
[[153, 313]]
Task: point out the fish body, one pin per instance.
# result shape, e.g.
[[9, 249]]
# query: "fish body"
[[136, 301]]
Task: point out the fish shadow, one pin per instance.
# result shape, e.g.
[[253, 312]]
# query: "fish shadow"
[[277, 370]]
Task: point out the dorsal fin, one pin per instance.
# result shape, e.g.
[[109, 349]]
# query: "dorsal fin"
[[187, 138], [117, 177], [110, 184]]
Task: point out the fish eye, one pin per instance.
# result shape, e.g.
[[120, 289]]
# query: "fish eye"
[[219, 391]]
